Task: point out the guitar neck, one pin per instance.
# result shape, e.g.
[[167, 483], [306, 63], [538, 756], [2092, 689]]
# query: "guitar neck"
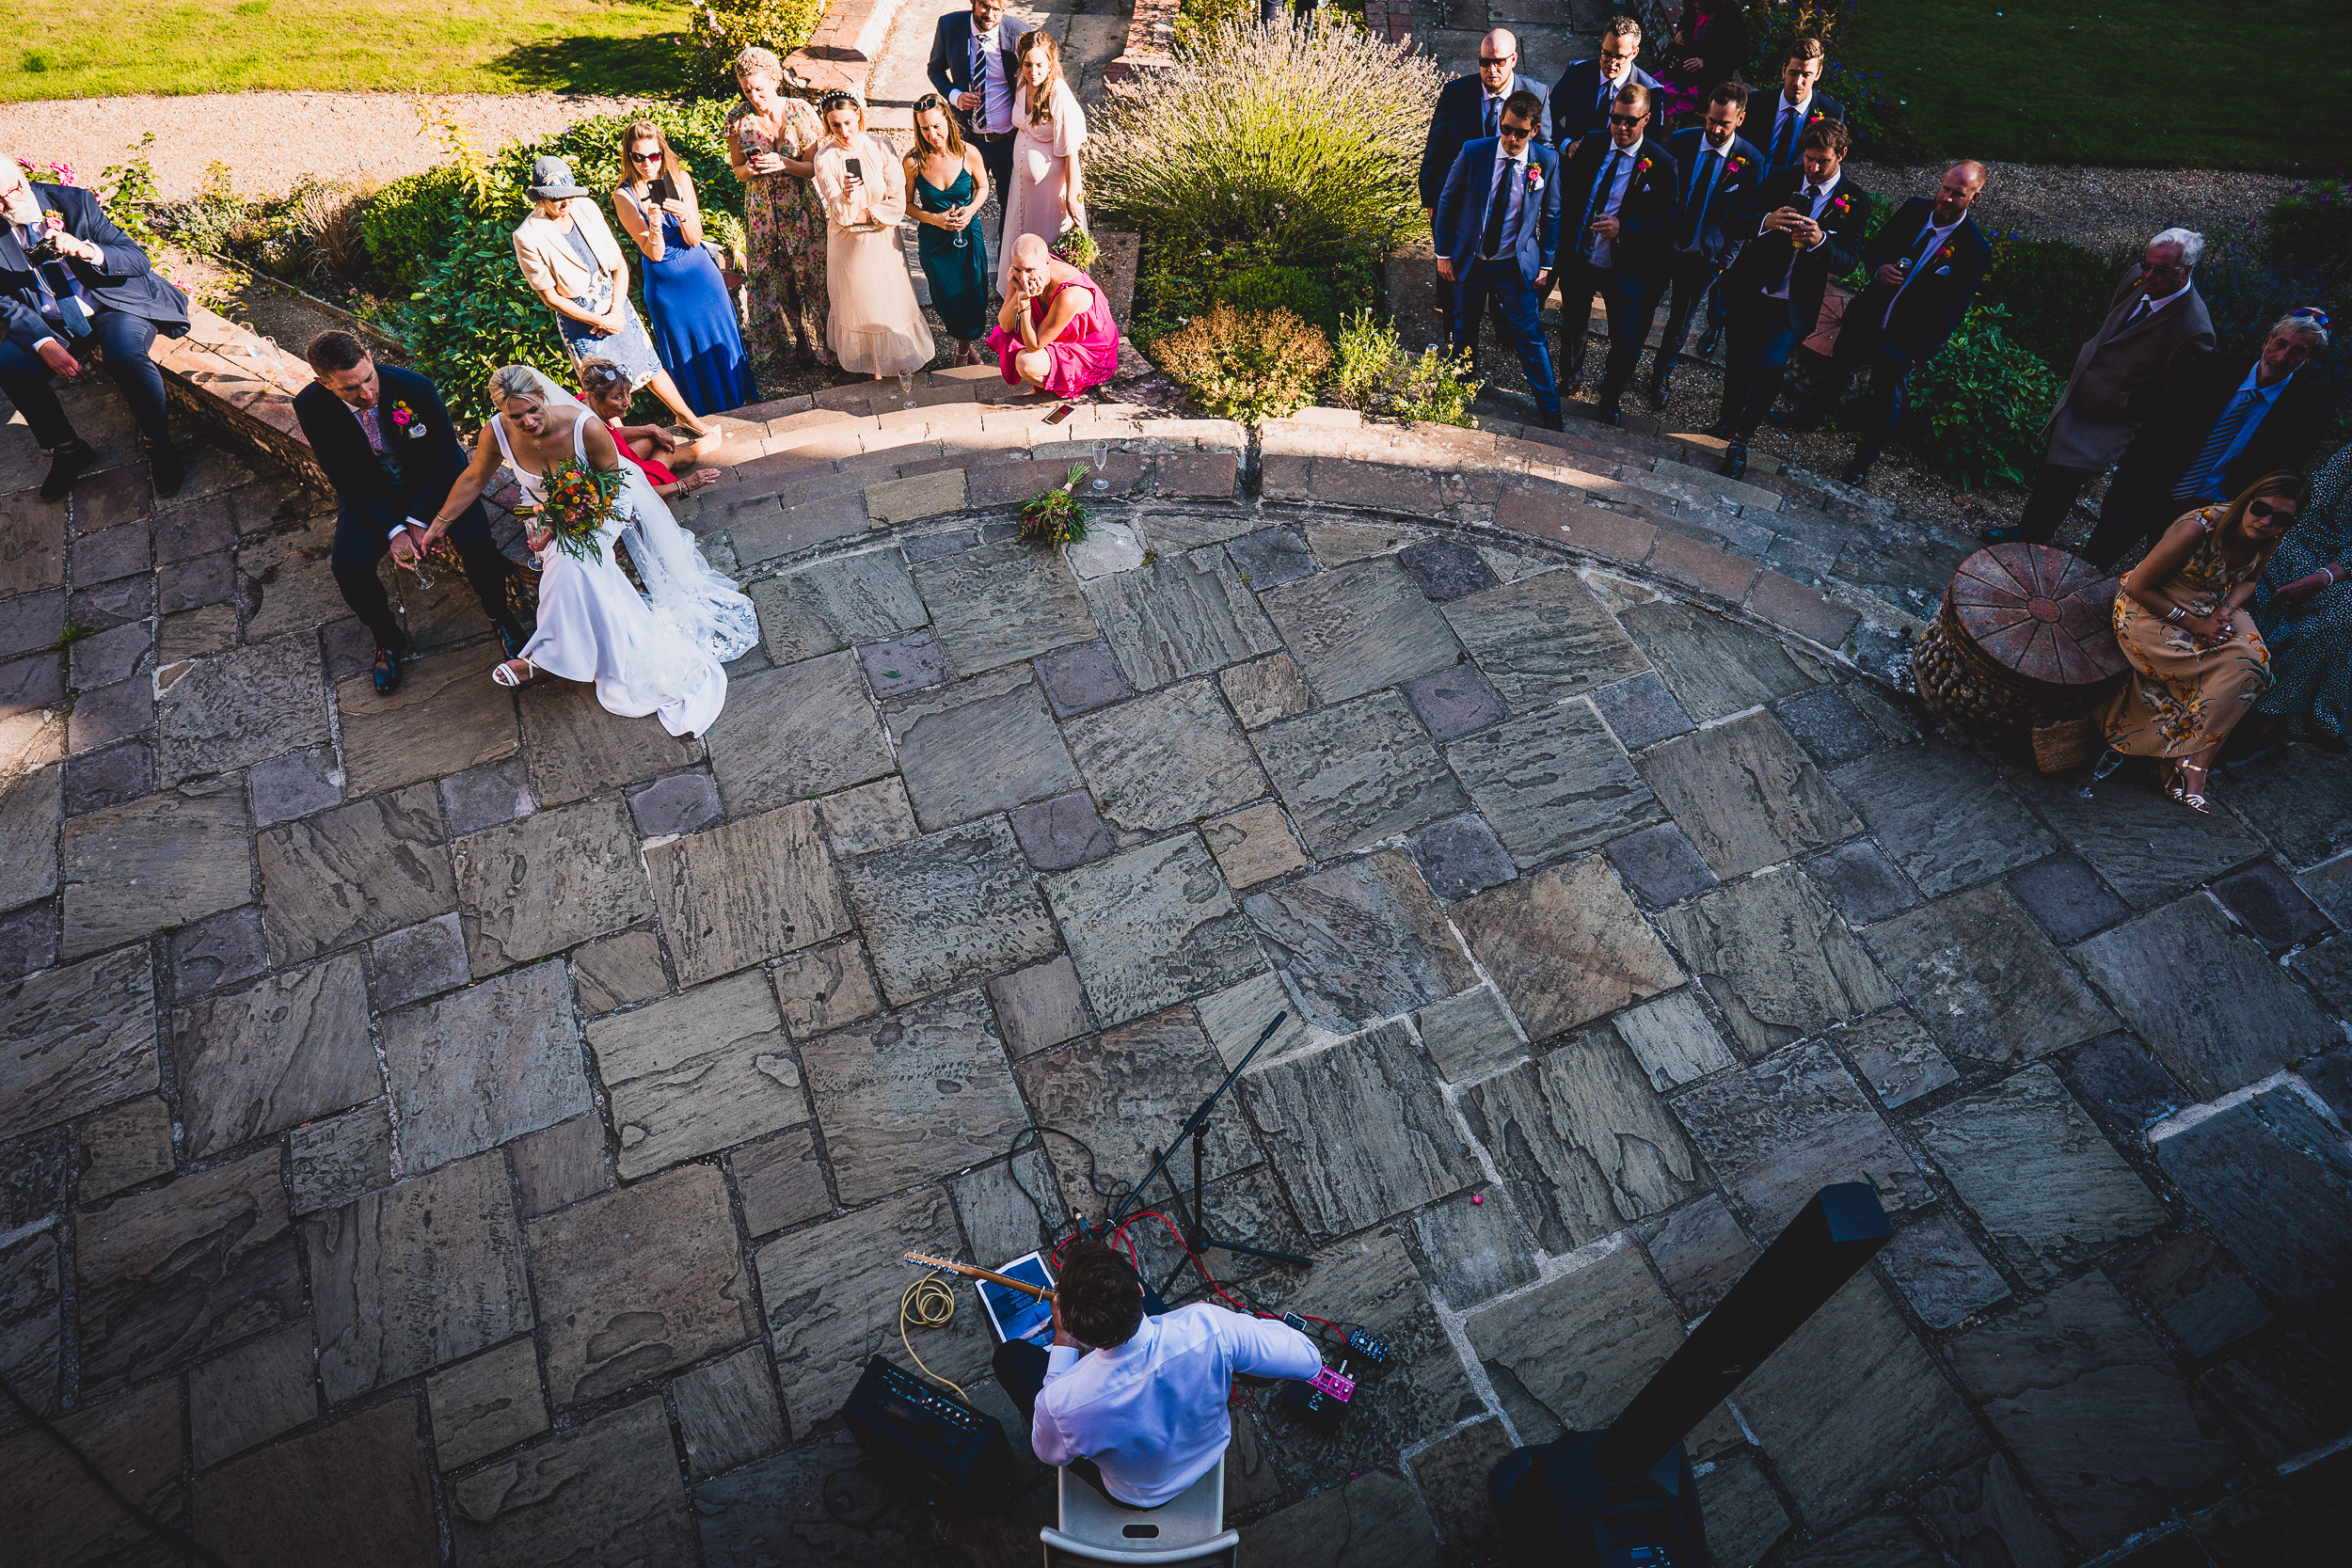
[[973, 1271]]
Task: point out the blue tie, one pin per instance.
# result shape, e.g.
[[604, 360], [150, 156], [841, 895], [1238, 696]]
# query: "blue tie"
[[1492, 104], [1784, 145], [2205, 474], [1697, 225], [1498, 208], [1602, 183]]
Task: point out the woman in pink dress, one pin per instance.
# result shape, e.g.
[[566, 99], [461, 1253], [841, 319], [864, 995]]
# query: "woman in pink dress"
[[1054, 333]]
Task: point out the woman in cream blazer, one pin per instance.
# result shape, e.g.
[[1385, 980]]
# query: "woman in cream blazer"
[[572, 262]]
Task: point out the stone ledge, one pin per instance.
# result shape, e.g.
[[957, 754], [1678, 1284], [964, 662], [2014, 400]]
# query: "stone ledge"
[[241, 388], [1150, 41], [841, 52]]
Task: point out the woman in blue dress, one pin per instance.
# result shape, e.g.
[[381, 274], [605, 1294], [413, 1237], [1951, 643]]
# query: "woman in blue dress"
[[947, 185], [694, 328]]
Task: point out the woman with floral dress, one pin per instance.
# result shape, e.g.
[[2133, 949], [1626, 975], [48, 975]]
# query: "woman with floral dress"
[[2197, 662], [769, 138], [2303, 610]]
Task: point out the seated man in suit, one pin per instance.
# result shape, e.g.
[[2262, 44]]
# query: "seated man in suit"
[[1776, 120], [1498, 226], [2142, 358], [2239, 417], [973, 68], [1800, 227], [1135, 1405], [1586, 93], [1471, 106], [392, 452], [1621, 194], [1719, 167], [71, 280], [1924, 267]]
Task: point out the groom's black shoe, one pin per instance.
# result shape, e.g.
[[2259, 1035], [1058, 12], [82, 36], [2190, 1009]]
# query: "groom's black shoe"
[[65, 465], [388, 671]]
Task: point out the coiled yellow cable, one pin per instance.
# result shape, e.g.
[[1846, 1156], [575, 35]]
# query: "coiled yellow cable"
[[928, 1302]]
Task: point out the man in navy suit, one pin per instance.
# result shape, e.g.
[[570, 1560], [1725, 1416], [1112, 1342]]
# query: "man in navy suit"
[[972, 67], [1620, 197], [390, 450], [1586, 93], [70, 280], [1718, 169], [1497, 229], [1924, 267], [1799, 229], [1471, 106], [1776, 120]]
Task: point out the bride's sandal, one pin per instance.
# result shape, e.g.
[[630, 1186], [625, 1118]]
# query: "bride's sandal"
[[515, 672], [2194, 799]]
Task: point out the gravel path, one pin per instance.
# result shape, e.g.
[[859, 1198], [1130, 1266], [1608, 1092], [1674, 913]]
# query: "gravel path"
[[271, 140], [2105, 209]]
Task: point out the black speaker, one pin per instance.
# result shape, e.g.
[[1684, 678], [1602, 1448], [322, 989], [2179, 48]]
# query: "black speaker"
[[911, 1425]]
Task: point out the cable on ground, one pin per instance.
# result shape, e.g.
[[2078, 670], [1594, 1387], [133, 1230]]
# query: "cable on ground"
[[928, 1302]]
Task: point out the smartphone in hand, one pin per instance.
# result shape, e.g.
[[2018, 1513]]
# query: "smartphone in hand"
[[662, 189], [856, 168]]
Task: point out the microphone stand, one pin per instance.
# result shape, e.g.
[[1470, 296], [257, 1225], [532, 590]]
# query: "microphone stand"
[[1197, 1235]]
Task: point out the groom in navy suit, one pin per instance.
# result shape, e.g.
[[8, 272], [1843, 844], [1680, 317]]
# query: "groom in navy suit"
[[392, 452], [71, 281], [1498, 228]]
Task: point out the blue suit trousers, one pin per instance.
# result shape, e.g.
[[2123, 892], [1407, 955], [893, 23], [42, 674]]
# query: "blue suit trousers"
[[1504, 287]]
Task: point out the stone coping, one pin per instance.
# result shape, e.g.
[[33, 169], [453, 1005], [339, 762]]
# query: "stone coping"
[[241, 387], [841, 52]]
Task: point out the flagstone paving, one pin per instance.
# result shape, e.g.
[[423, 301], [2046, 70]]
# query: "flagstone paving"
[[472, 1128]]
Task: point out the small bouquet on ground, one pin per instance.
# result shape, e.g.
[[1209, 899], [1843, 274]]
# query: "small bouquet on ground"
[[576, 502], [1077, 247], [1057, 517]]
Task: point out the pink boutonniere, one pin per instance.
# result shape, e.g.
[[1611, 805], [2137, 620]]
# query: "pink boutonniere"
[[1813, 117], [1839, 205], [1735, 165], [1641, 167], [1534, 178], [403, 419]]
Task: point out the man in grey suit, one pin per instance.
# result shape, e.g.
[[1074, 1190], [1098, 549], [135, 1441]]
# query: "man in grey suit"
[[2156, 334]]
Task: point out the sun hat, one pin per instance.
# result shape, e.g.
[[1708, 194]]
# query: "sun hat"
[[551, 181]]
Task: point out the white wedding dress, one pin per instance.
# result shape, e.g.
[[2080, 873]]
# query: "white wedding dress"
[[661, 657]]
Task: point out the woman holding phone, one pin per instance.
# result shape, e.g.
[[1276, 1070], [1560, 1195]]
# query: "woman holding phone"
[[769, 138], [875, 326], [694, 320]]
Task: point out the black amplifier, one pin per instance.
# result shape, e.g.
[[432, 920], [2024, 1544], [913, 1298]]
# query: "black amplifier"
[[898, 1417]]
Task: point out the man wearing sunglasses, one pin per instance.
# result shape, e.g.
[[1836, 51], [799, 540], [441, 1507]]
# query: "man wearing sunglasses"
[[1498, 225], [1621, 196], [1471, 106], [2156, 335], [2239, 418], [1586, 93]]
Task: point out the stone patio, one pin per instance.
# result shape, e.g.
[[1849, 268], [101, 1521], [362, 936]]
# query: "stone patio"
[[471, 1127]]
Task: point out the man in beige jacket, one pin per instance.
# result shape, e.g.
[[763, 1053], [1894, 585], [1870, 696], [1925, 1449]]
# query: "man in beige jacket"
[[2157, 333]]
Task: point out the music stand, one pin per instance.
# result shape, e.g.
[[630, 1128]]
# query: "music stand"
[[1197, 1236]]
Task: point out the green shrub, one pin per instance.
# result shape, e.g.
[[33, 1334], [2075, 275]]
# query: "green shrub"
[[128, 190], [1248, 365], [2309, 228], [405, 221], [470, 311], [1978, 407], [1374, 376], [1197, 19], [1292, 289], [1302, 136], [2055, 294], [725, 29]]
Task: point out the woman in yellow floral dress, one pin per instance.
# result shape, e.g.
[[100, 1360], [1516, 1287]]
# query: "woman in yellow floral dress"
[[771, 135], [2197, 661]]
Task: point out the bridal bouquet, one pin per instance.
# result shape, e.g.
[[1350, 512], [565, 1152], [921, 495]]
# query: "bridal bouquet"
[[576, 504]]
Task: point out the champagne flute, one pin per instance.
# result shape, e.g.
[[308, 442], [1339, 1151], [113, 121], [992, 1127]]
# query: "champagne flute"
[[1102, 456], [906, 387]]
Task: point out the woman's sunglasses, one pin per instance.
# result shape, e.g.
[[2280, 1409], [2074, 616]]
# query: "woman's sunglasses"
[[653, 157], [2270, 509]]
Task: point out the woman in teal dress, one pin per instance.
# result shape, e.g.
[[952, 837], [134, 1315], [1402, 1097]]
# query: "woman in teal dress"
[[2303, 610], [949, 187]]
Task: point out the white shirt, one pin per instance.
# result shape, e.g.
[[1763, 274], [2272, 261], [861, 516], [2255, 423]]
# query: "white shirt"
[[1820, 199], [996, 91], [2155, 305], [1629, 158], [1150, 1412]]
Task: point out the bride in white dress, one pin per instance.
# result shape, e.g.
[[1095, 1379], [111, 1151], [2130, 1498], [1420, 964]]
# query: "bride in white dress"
[[657, 652]]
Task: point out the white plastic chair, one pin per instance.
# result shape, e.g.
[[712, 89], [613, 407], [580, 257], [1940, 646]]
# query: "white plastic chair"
[[1188, 1531]]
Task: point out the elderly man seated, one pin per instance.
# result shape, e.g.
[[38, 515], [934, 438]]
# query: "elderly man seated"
[[1054, 334], [71, 281]]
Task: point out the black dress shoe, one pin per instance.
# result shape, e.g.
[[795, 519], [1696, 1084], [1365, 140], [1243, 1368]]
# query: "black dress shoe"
[[65, 466], [1707, 341], [1660, 391], [1556, 421], [388, 671], [2002, 535], [1859, 469], [1735, 460], [1607, 414], [165, 471]]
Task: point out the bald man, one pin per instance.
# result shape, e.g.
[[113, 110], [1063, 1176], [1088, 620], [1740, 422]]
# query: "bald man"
[[1471, 106], [1924, 267]]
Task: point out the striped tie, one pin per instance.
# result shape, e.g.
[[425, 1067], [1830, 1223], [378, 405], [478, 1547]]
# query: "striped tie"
[[2205, 475]]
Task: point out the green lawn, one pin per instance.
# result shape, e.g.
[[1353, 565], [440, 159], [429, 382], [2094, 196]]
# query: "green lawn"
[[99, 48], [2259, 85]]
